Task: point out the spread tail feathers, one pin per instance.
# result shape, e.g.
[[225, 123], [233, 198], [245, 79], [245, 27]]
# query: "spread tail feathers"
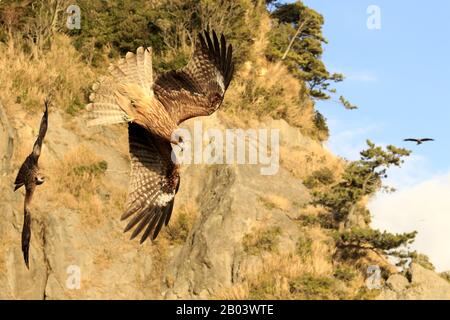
[[110, 103], [106, 113], [26, 235]]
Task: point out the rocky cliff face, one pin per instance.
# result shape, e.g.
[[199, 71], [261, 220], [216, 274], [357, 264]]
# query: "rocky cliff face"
[[67, 240], [78, 250], [419, 284]]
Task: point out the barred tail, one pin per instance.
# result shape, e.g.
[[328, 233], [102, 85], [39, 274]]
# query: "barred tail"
[[106, 113], [110, 103]]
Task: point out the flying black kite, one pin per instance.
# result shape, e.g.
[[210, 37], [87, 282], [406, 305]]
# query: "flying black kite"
[[153, 109], [419, 141], [29, 176]]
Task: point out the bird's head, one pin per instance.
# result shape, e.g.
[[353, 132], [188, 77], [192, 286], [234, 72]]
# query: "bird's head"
[[39, 180], [177, 140]]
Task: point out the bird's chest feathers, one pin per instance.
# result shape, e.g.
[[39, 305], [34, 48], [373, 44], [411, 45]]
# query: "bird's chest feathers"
[[156, 116]]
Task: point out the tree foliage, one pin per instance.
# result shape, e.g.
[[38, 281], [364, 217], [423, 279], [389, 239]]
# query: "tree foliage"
[[296, 39], [361, 178], [169, 27], [112, 28], [343, 200], [365, 238], [35, 22]]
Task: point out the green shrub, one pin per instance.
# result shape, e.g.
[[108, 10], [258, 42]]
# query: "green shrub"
[[360, 179], [320, 122], [323, 176], [344, 273], [178, 231], [266, 240], [94, 170], [309, 286], [304, 246], [356, 242]]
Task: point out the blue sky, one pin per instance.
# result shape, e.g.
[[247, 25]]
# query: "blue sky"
[[398, 75], [399, 78]]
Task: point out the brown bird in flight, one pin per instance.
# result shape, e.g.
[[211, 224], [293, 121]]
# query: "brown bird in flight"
[[153, 110], [419, 141], [29, 176]]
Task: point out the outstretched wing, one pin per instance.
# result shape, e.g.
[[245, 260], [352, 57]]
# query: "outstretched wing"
[[426, 139], [197, 89], [42, 131], [24, 172], [410, 139], [153, 184], [27, 166]]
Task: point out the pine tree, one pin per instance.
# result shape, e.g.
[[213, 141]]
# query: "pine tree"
[[343, 201], [361, 178], [297, 40]]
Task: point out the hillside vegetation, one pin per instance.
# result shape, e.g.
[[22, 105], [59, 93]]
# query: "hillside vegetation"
[[301, 234]]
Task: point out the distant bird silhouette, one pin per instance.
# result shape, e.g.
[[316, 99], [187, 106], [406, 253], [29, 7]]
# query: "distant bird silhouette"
[[29, 176], [419, 141]]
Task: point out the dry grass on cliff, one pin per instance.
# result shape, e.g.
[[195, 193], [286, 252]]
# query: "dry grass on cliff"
[[78, 184], [26, 79], [301, 162], [271, 201], [267, 90], [181, 224], [279, 273]]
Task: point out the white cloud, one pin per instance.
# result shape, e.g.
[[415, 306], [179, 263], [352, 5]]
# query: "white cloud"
[[414, 171], [421, 202], [361, 76], [424, 207], [366, 76]]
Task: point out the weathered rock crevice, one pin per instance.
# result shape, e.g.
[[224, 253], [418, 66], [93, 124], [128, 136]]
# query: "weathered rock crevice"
[[7, 142], [230, 203], [48, 268]]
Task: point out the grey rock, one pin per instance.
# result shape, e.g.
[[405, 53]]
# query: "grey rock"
[[425, 285]]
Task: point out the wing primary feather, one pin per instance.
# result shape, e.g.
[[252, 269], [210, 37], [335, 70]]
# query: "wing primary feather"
[[151, 225], [17, 186], [42, 131], [138, 216], [216, 49], [169, 211], [160, 224], [141, 225], [223, 54], [202, 40], [229, 63], [134, 206], [210, 45]]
